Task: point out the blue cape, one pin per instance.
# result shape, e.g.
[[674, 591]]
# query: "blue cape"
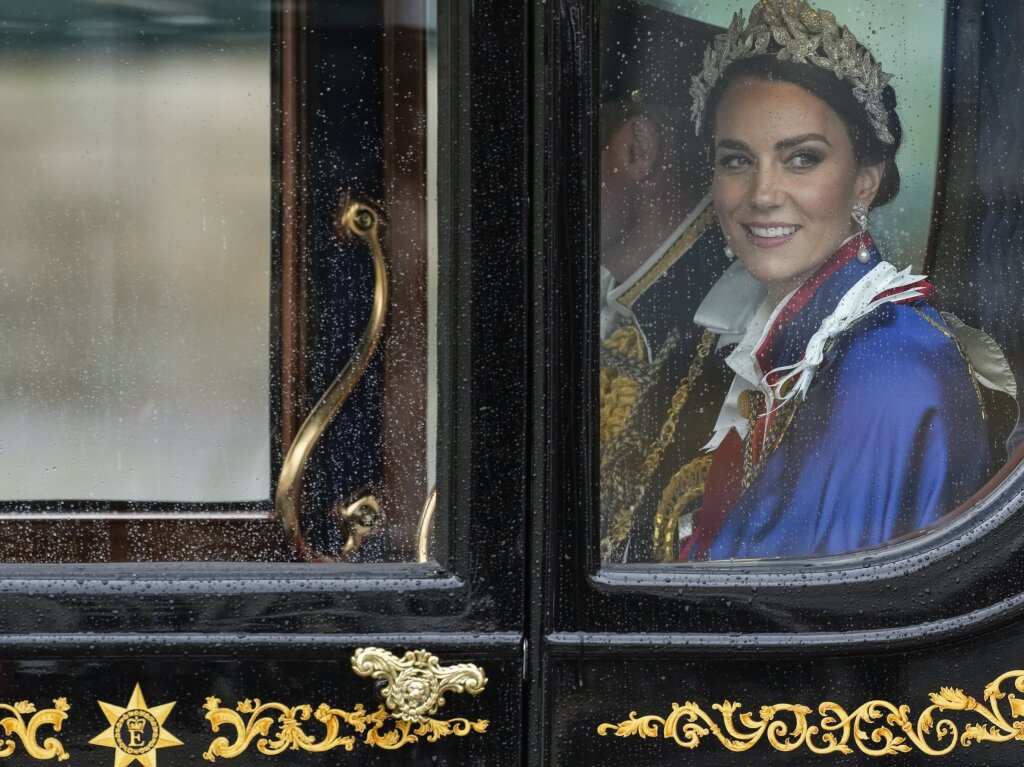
[[890, 437]]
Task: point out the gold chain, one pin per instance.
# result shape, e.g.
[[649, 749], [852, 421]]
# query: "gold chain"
[[682, 393], [748, 444], [622, 520], [772, 438]]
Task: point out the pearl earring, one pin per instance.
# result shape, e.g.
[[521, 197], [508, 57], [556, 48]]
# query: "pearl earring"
[[729, 254], [860, 216]]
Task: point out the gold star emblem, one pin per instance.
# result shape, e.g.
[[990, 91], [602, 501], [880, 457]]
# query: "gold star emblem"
[[136, 731]]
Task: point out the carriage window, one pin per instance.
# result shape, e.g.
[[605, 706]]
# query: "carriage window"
[[136, 280], [182, 286], [788, 367]]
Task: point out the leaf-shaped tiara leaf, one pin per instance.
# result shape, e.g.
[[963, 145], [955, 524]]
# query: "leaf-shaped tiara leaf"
[[802, 35]]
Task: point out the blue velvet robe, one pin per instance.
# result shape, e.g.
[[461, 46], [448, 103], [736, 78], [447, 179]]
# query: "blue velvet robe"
[[890, 437]]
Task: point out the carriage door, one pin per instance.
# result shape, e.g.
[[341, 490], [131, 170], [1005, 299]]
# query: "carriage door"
[[908, 653], [263, 433]]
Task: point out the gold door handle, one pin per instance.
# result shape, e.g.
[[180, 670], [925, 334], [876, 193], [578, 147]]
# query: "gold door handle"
[[416, 682], [357, 218]]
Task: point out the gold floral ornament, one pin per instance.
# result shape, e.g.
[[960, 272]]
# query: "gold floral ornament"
[[417, 683], [876, 728], [27, 732], [289, 736], [793, 31]]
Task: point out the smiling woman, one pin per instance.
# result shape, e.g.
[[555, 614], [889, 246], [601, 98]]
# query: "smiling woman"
[[844, 409], [855, 415], [785, 181]]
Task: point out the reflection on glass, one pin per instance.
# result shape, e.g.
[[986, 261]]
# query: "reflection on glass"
[[135, 251], [807, 398]]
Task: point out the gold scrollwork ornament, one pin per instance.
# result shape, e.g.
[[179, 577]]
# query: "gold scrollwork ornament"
[[262, 717], [27, 732], [874, 728], [290, 735], [416, 686]]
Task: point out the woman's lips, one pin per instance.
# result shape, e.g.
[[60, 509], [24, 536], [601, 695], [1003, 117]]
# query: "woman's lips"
[[770, 235]]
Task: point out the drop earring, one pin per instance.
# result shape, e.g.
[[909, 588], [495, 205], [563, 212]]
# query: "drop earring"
[[729, 254], [860, 216]]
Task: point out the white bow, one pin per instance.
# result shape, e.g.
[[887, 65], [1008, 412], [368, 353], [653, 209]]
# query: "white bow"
[[860, 300]]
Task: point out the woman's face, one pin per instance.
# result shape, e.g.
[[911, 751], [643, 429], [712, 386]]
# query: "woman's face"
[[785, 180]]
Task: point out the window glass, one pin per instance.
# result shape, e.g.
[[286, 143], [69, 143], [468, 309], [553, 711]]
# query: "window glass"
[[186, 273], [780, 376], [135, 251]]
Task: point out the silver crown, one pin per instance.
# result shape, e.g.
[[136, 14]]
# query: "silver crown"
[[805, 36]]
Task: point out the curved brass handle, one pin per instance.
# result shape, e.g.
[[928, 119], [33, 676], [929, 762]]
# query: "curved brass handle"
[[361, 219], [361, 518], [425, 526]]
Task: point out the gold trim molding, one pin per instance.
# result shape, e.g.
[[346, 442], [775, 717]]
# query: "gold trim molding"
[[27, 732], [875, 728]]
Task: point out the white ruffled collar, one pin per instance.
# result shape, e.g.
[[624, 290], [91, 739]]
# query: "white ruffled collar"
[[737, 307]]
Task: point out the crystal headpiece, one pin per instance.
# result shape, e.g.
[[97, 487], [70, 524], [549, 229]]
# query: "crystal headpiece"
[[805, 36]]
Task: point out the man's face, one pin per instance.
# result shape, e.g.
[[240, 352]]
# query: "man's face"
[[616, 200]]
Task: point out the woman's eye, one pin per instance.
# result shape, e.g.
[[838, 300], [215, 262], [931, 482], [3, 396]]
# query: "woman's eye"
[[733, 161], [805, 159]]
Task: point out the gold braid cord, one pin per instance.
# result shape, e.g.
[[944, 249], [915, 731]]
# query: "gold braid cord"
[[963, 353], [685, 487], [619, 391], [876, 728], [12, 719], [622, 482]]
